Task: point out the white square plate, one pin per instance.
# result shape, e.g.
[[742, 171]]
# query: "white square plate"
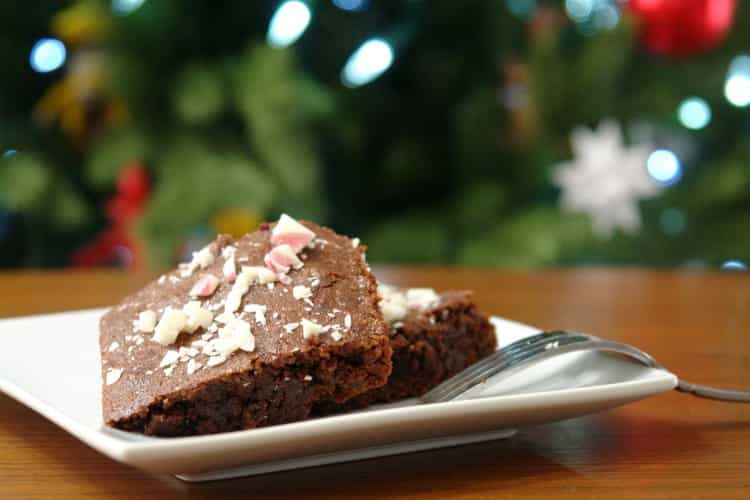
[[51, 364]]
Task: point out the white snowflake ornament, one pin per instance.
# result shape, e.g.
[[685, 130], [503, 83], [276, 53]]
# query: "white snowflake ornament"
[[606, 179]]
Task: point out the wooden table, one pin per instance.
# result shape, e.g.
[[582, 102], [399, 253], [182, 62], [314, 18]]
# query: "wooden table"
[[669, 446]]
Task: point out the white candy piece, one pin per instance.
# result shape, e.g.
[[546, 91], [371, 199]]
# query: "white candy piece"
[[348, 321], [205, 286], [215, 360], [421, 298], [113, 346], [310, 329], [336, 336], [170, 325], [146, 321], [229, 270], [169, 358], [290, 232], [192, 367], [260, 312], [202, 258], [262, 274], [355, 242], [392, 303], [197, 316], [281, 259], [301, 292], [235, 335], [113, 375], [290, 327]]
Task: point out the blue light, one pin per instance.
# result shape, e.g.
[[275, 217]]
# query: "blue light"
[[47, 55], [124, 7], [352, 5], [367, 63], [734, 265], [9, 152], [579, 10], [288, 23], [664, 166], [694, 113], [521, 8], [606, 16]]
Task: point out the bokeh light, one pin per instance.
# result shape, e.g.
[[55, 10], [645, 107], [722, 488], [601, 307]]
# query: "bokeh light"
[[734, 265], [124, 7], [664, 166], [672, 221], [579, 10], [47, 55], [694, 113], [737, 84], [368, 62], [288, 23], [9, 152], [352, 5], [521, 8]]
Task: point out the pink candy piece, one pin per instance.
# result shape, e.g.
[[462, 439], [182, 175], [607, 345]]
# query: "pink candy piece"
[[290, 232], [205, 286], [285, 279], [281, 258]]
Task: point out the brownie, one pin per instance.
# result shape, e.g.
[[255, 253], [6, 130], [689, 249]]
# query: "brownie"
[[433, 338], [258, 355]]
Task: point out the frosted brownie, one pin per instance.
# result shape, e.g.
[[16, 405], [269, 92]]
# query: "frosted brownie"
[[250, 333], [433, 337]]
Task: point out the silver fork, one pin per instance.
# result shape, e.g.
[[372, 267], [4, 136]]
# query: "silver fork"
[[530, 351]]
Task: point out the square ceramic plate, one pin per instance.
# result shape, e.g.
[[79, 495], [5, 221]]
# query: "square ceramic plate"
[[51, 364]]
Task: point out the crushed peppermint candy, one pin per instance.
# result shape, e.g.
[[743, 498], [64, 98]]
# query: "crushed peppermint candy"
[[170, 358], [355, 242], [260, 312], [205, 286], [168, 370], [170, 325], [229, 270], [290, 327], [201, 259], [197, 316], [162, 279], [235, 335], [307, 378], [113, 375], [392, 303], [348, 321], [281, 259], [310, 329], [336, 335], [301, 292], [288, 231], [146, 322], [421, 298], [113, 346], [215, 360], [192, 367]]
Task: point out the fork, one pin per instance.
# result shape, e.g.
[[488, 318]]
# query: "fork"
[[532, 350]]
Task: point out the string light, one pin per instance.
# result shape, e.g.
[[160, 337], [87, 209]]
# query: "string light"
[[737, 84], [694, 113], [351, 5], [664, 166], [734, 265], [367, 63], [47, 55], [288, 23], [124, 7]]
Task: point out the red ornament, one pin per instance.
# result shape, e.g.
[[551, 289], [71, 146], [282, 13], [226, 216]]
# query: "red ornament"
[[683, 27], [118, 244]]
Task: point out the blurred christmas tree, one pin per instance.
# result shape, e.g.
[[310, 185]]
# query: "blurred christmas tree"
[[491, 132]]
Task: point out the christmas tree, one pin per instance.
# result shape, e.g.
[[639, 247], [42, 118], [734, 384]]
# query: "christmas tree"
[[499, 132]]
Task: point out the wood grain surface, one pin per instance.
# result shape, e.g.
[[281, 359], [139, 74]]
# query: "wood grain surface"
[[668, 446]]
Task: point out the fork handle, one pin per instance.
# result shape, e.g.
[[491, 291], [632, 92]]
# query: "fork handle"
[[704, 391]]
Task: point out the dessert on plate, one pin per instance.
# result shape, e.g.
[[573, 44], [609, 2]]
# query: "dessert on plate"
[[250, 333], [433, 337]]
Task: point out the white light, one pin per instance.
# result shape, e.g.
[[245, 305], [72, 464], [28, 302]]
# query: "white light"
[[123, 7], [734, 265], [350, 4], [47, 55], [367, 63], [664, 166], [579, 10], [606, 16], [694, 113], [288, 23], [737, 90]]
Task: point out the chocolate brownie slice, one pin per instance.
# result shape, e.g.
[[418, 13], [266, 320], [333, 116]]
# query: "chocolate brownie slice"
[[433, 337], [250, 333]]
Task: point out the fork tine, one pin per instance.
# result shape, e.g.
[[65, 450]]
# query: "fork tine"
[[458, 382], [462, 382]]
